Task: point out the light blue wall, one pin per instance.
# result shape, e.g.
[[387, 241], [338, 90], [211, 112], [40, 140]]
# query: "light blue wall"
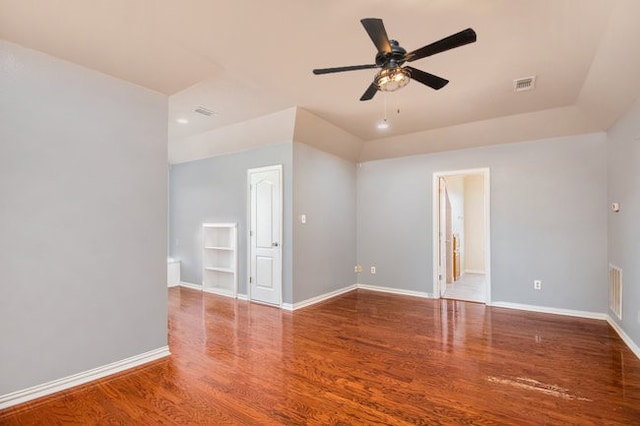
[[324, 189], [623, 148], [83, 163], [317, 257], [215, 190], [548, 220]]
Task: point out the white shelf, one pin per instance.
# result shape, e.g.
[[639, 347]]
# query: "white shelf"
[[219, 258]]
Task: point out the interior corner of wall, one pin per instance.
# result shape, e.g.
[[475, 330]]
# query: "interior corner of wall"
[[317, 132]]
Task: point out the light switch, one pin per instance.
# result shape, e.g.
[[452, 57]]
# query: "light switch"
[[303, 218]]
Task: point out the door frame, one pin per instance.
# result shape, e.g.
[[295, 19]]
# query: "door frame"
[[485, 172], [444, 221], [279, 168]]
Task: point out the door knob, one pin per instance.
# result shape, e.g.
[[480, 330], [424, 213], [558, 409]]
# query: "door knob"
[[275, 244]]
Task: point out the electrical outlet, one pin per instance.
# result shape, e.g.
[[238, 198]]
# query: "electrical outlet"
[[537, 284], [373, 269], [358, 269]]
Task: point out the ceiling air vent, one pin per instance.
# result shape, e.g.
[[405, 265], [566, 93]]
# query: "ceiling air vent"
[[523, 84], [204, 111]]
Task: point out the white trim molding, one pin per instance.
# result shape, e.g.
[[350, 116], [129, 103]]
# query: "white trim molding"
[[395, 291], [332, 294], [485, 172], [191, 285], [507, 305], [625, 338], [548, 310], [239, 296], [58, 385], [219, 292], [317, 299], [580, 314]]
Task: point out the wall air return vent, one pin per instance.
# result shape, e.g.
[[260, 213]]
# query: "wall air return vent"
[[204, 111], [523, 84], [615, 290]]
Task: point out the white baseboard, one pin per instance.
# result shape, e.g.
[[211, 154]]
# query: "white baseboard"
[[48, 388], [395, 291], [213, 291], [332, 294], [572, 313], [518, 306], [317, 299], [191, 285], [625, 338], [548, 310], [219, 292]]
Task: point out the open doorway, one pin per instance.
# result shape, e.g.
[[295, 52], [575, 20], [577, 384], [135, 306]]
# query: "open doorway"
[[461, 249]]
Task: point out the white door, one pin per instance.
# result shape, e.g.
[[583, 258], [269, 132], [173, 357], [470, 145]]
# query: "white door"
[[265, 234]]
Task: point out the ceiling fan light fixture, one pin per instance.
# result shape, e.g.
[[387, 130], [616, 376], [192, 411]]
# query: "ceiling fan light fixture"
[[391, 79]]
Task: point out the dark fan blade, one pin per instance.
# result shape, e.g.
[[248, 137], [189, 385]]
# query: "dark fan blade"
[[341, 69], [375, 29], [370, 92], [456, 40], [427, 79]]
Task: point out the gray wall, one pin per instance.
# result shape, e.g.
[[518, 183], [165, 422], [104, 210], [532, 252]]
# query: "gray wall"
[[548, 220], [624, 232], [324, 189], [215, 190], [82, 219]]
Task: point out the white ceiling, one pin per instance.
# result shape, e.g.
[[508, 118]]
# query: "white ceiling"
[[245, 59]]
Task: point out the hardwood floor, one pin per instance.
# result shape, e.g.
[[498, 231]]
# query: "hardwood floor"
[[362, 358]]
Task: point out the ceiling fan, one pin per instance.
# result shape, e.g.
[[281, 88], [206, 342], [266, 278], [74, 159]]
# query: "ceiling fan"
[[391, 56]]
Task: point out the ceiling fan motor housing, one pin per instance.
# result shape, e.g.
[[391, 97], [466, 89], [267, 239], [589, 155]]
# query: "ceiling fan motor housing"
[[391, 59]]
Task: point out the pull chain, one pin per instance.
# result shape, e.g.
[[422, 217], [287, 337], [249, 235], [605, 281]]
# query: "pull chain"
[[385, 107]]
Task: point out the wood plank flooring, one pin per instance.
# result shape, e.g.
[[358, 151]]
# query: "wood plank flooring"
[[362, 358]]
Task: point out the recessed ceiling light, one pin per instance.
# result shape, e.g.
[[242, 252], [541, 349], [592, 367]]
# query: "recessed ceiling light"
[[383, 124], [182, 121]]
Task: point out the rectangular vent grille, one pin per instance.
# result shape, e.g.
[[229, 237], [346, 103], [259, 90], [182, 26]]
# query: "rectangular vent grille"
[[204, 111], [615, 290], [522, 84]]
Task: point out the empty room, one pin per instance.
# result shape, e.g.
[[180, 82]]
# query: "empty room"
[[309, 213]]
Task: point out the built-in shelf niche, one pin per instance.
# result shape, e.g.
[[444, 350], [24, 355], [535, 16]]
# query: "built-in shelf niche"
[[220, 259]]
